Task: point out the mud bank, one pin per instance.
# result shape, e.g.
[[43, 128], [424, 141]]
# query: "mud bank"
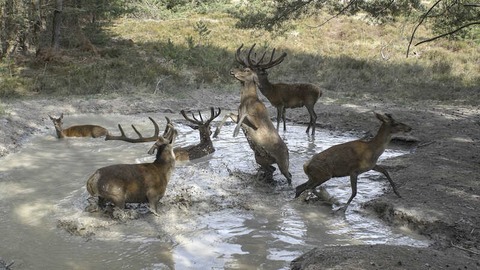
[[439, 182]]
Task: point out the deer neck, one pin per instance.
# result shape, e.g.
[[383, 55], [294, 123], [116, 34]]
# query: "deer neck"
[[165, 156], [264, 85], [380, 141], [60, 133], [249, 90]]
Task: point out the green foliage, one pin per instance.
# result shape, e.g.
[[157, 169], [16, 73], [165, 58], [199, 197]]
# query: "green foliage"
[[202, 30], [179, 55], [452, 14]]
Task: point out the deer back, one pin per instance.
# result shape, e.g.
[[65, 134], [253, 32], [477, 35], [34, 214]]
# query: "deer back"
[[93, 131], [137, 183]]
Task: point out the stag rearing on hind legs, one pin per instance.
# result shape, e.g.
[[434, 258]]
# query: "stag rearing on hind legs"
[[259, 130], [281, 95]]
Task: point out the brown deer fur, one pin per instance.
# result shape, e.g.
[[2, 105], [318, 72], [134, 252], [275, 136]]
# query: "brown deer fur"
[[351, 159], [205, 146], [282, 95], [93, 131], [136, 183], [255, 122]]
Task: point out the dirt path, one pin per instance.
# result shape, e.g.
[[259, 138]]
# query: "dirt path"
[[439, 182]]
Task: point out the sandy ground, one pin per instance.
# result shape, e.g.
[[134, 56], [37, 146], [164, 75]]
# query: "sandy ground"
[[439, 182]]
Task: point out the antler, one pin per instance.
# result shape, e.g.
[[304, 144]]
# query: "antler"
[[256, 65], [140, 138], [201, 122]]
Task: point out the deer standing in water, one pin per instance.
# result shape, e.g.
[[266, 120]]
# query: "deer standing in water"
[[203, 148], [351, 159], [282, 95], [259, 130], [137, 183], [93, 131]]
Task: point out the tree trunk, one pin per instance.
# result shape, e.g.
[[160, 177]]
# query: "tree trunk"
[[57, 24]]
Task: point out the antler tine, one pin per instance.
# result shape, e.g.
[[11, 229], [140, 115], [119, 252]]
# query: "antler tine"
[[194, 120], [200, 115], [140, 138], [213, 114], [276, 61], [167, 126], [238, 58], [250, 63]]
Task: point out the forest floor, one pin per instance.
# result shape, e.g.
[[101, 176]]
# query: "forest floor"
[[439, 181]]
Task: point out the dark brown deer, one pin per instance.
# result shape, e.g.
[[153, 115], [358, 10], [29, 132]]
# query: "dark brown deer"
[[205, 146], [137, 183], [352, 159], [259, 130], [93, 131], [282, 95]]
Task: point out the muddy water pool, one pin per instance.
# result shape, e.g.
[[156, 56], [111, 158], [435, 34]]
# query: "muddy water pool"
[[215, 214]]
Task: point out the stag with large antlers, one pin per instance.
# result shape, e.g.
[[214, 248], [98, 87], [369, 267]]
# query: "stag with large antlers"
[[93, 131], [281, 95], [203, 148], [259, 130], [352, 159], [137, 183]]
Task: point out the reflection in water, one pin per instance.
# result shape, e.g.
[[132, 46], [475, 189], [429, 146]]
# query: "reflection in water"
[[215, 214]]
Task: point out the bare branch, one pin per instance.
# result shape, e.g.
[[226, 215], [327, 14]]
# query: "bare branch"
[[424, 16], [336, 15], [449, 33]]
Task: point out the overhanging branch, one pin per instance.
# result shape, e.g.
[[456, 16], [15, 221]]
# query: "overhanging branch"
[[449, 33]]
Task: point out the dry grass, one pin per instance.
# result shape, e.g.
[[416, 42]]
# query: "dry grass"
[[347, 56]]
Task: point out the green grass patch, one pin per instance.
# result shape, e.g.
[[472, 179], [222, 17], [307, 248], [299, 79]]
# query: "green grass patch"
[[349, 57]]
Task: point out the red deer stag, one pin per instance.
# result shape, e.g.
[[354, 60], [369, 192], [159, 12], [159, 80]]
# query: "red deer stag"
[[203, 148], [352, 159], [259, 130], [137, 183], [282, 95], [93, 131]]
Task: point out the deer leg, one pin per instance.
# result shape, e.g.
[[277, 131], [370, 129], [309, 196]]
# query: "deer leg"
[[353, 183], [382, 170], [230, 115], [283, 118], [313, 119], [239, 124], [279, 116]]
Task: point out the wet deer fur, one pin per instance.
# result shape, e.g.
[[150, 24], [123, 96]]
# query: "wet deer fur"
[[136, 183], [282, 95], [259, 130], [205, 146], [93, 131], [352, 159]]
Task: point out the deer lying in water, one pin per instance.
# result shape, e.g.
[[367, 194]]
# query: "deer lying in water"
[[282, 95], [137, 183], [259, 130], [352, 159], [203, 148], [93, 131]]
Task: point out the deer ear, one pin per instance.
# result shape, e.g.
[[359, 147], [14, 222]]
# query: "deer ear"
[[61, 116], [381, 117]]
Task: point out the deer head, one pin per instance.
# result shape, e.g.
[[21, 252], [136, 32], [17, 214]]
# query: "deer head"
[[202, 125]]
